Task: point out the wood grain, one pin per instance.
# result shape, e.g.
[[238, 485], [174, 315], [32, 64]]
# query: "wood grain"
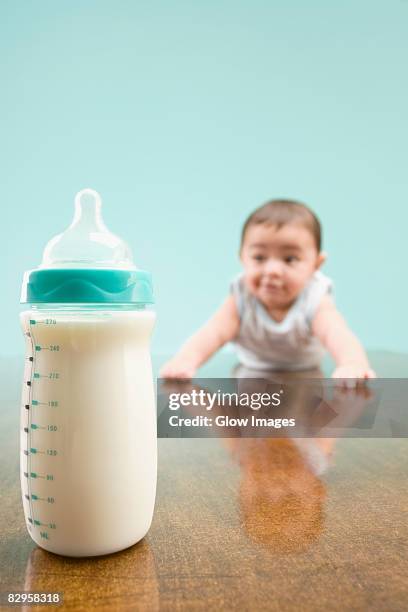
[[240, 524]]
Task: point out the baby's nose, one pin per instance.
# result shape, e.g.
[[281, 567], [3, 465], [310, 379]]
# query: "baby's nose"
[[273, 267]]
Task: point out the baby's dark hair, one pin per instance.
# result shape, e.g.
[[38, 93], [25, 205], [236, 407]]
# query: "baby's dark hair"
[[281, 212]]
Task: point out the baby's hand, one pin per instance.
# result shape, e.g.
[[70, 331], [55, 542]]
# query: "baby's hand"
[[177, 368], [352, 373]]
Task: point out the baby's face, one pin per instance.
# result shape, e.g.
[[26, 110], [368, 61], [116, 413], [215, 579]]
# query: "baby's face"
[[278, 263]]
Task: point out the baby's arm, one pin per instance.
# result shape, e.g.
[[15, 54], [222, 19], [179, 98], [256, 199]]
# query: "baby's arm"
[[220, 329], [332, 330]]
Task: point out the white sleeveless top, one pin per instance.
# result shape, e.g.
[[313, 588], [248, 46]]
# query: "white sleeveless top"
[[263, 343]]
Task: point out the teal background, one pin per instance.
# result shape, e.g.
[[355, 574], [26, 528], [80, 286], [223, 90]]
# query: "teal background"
[[186, 116]]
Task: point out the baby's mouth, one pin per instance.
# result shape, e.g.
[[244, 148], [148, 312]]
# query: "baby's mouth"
[[272, 287]]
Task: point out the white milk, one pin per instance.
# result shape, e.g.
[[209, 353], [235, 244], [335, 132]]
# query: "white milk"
[[93, 430]]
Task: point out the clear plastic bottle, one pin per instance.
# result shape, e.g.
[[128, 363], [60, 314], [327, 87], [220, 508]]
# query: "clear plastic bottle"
[[88, 421]]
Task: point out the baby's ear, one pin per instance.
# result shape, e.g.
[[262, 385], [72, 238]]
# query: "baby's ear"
[[321, 258]]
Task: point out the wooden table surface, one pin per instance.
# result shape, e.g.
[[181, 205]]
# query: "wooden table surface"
[[240, 524]]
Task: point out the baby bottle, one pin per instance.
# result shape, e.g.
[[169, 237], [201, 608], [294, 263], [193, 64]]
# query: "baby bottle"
[[88, 422]]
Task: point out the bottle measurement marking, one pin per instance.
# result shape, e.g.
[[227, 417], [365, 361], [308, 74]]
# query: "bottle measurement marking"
[[45, 322], [49, 376], [28, 423], [52, 427], [49, 500], [47, 427], [41, 524], [35, 374], [51, 452], [51, 347], [36, 426], [49, 477]]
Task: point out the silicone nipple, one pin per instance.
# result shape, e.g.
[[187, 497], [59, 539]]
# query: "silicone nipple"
[[87, 243]]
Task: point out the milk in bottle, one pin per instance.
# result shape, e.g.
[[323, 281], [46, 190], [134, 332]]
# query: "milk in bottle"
[[88, 424]]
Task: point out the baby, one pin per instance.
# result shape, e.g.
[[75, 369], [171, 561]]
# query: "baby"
[[280, 312]]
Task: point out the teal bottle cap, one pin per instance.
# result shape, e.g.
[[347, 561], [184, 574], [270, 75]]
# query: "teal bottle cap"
[[87, 264], [69, 286]]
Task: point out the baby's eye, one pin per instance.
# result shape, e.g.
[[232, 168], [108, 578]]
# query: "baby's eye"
[[291, 259], [259, 258]]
